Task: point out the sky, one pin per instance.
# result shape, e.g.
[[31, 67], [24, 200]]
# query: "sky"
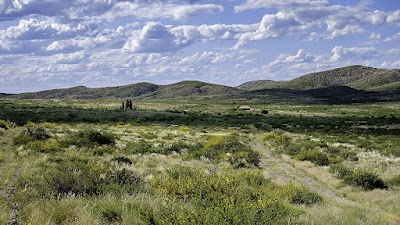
[[48, 44]]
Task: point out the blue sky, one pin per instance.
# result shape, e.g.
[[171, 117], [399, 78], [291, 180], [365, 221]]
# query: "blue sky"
[[47, 44]]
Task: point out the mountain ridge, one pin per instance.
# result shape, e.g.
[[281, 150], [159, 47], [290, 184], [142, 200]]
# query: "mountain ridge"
[[357, 76], [340, 81]]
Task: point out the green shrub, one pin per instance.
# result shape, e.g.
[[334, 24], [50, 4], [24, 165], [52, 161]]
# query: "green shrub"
[[364, 179], [180, 145], [278, 138], [89, 138], [79, 177], [31, 134], [300, 195], [394, 181], [48, 146], [314, 156], [102, 150], [228, 197], [111, 212], [122, 160], [140, 147], [5, 124], [219, 148], [340, 170], [37, 133], [22, 139], [342, 152]]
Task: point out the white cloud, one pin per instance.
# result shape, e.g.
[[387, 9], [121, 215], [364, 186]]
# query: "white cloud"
[[72, 58], [255, 4], [10, 9], [393, 37], [156, 37], [341, 53], [374, 36], [302, 15], [161, 10]]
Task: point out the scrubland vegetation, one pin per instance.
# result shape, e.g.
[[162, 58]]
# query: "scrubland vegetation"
[[199, 162]]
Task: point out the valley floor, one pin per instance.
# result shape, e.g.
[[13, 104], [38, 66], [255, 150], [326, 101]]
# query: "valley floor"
[[87, 162]]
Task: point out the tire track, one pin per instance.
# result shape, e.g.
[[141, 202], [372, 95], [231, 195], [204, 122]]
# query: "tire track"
[[9, 191], [282, 172]]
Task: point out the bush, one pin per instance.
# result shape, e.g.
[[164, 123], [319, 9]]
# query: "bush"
[[340, 170], [140, 147], [79, 177], [366, 180], [219, 148], [300, 195], [228, 197], [314, 156], [31, 134], [110, 211], [394, 181], [180, 145], [278, 138], [5, 124], [89, 138], [48, 146], [122, 160], [37, 133]]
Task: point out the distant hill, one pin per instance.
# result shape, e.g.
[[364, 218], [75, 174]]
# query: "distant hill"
[[261, 84], [140, 90], [341, 85], [193, 88], [357, 77], [3, 95], [81, 92]]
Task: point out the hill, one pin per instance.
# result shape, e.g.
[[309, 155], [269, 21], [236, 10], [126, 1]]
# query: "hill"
[[346, 85], [139, 90], [2, 95], [357, 77], [81, 92], [193, 88]]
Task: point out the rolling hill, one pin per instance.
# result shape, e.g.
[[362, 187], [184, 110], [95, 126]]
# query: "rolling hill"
[[139, 90], [357, 77], [341, 85]]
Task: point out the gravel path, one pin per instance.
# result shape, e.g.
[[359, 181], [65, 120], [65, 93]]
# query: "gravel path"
[[282, 172], [9, 191]]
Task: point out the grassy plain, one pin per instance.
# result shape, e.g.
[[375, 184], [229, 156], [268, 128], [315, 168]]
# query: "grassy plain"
[[198, 161]]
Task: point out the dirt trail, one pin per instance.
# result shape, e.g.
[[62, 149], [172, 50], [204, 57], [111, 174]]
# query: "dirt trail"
[[10, 164], [282, 172]]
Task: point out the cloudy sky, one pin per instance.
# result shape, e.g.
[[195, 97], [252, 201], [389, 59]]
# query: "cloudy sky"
[[47, 44]]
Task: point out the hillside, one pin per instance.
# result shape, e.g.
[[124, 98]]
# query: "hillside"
[[193, 88], [2, 95], [357, 77], [82, 92], [347, 84], [141, 90]]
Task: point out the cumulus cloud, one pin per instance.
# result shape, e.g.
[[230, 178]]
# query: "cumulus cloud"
[[304, 61], [303, 15], [73, 58], [355, 53], [374, 36], [255, 4], [10, 9], [49, 28], [160, 10], [156, 37], [393, 37]]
